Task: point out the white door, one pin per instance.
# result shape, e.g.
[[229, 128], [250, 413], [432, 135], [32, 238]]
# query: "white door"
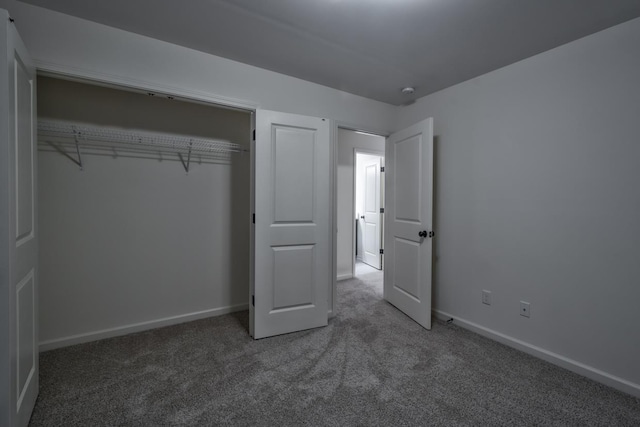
[[408, 220], [18, 231], [371, 228], [292, 273]]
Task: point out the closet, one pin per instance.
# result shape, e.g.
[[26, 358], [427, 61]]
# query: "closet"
[[144, 207]]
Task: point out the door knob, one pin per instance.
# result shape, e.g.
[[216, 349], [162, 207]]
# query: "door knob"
[[422, 233]]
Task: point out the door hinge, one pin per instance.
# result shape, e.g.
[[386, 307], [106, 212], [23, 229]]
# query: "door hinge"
[[254, 218], [381, 251], [381, 210], [253, 300], [381, 168], [254, 135], [432, 233]]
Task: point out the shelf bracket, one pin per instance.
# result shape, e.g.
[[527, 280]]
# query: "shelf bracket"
[[186, 165], [75, 135], [61, 150]]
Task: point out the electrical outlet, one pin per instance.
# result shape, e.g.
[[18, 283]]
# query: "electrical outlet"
[[525, 309], [486, 297]]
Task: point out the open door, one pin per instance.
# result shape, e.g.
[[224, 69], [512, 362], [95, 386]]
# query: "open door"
[[371, 227], [408, 220], [292, 254], [18, 231]]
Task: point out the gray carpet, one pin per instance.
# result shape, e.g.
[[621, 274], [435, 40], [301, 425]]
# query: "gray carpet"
[[371, 366]]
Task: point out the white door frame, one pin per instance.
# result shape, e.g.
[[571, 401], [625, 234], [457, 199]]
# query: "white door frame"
[[121, 83], [357, 151]]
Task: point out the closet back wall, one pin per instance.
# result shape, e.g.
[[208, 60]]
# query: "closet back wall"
[[130, 244]]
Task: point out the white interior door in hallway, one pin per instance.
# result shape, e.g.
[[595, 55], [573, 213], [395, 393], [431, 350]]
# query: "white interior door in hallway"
[[371, 215], [18, 230], [408, 221], [292, 254]]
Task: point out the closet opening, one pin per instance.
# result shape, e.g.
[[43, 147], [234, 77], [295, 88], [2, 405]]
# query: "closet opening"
[[143, 207], [360, 207]]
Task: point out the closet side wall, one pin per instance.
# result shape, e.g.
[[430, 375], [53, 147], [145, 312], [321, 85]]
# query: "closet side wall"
[[130, 244]]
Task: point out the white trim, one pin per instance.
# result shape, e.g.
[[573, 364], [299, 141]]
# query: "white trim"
[[549, 356], [99, 77], [138, 327], [333, 214], [355, 128], [345, 276]]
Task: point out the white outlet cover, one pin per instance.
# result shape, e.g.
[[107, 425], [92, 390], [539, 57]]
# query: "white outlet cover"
[[525, 309], [486, 297]]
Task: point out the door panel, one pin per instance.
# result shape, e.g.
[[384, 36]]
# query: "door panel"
[[293, 157], [407, 267], [293, 277], [371, 227], [371, 176], [409, 203], [292, 251], [407, 154], [24, 150], [18, 231], [407, 181]]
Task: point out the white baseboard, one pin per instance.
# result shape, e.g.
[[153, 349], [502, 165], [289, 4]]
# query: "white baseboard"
[[344, 276], [557, 359], [137, 327]]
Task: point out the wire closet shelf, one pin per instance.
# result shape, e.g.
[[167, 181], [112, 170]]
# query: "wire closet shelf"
[[58, 134]]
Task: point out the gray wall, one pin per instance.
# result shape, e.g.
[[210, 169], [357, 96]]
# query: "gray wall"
[[538, 199], [127, 241], [347, 142]]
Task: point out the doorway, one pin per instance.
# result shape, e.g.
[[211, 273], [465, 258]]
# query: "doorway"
[[408, 200], [369, 211], [349, 207]]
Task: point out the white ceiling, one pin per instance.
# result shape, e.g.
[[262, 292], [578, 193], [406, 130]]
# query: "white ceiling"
[[371, 48]]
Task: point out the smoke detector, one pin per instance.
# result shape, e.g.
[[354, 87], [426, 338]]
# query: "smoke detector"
[[408, 90]]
